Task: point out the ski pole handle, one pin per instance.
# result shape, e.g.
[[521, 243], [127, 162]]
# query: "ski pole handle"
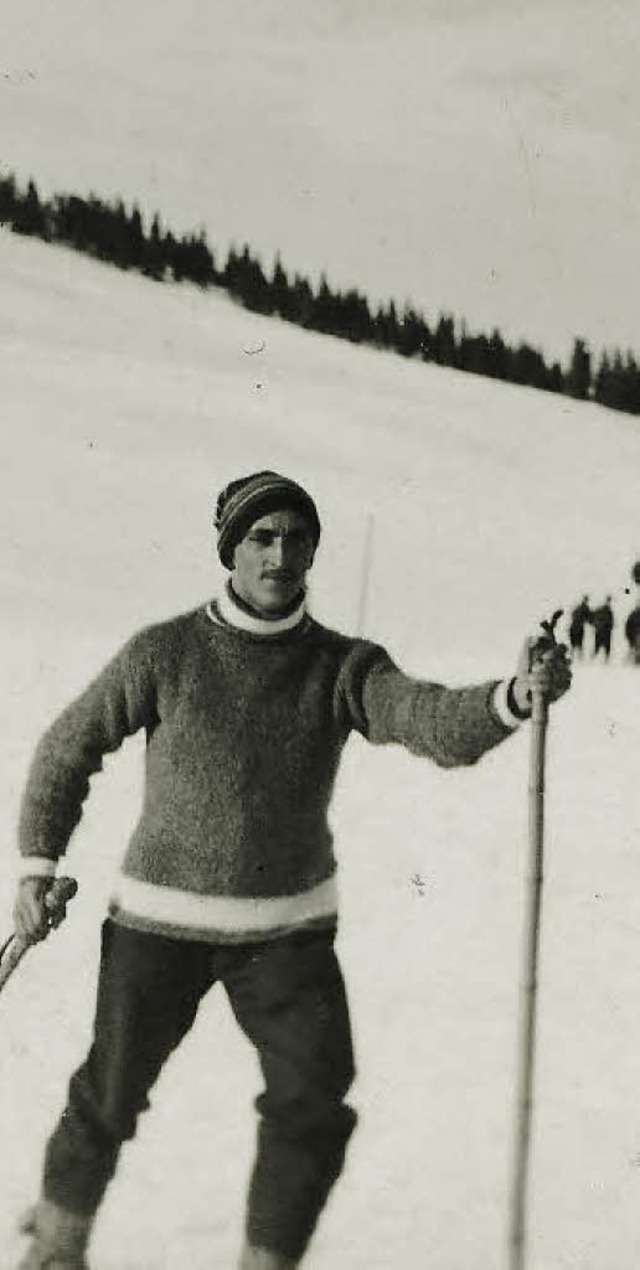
[[62, 890]]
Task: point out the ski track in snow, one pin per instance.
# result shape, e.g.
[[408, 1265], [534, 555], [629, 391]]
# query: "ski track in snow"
[[126, 406]]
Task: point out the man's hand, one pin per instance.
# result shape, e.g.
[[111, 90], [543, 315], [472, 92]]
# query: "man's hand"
[[542, 666], [31, 913]]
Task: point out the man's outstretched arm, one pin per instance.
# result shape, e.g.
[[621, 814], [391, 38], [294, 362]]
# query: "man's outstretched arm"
[[452, 726]]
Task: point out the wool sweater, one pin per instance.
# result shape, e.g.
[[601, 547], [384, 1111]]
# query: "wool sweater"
[[245, 724]]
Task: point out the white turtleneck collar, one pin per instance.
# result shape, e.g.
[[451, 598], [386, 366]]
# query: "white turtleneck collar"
[[234, 615]]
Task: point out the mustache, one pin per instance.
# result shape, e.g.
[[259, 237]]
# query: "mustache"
[[280, 575]]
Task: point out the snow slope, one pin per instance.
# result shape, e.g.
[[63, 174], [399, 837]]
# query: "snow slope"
[[478, 157], [125, 406]]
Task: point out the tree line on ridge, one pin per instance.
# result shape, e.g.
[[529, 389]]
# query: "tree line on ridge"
[[111, 232]]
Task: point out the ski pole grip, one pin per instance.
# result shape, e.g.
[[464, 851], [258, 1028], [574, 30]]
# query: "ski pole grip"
[[61, 891], [545, 641]]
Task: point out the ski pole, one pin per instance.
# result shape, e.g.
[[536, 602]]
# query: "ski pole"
[[13, 950], [529, 1019]]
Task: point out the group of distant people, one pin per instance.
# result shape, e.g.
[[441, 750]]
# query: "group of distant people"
[[602, 621]]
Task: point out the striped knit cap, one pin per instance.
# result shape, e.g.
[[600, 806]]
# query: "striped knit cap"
[[244, 501]]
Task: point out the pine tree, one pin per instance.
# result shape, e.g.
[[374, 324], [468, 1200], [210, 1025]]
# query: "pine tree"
[[71, 221], [8, 199], [231, 271], [257, 293], [29, 217], [411, 333], [135, 241], [602, 381], [153, 262], [207, 267], [472, 353], [555, 381], [324, 308], [386, 326], [302, 302], [444, 341], [197, 261], [618, 382], [352, 317], [240, 271], [578, 378], [281, 291], [633, 373], [497, 356]]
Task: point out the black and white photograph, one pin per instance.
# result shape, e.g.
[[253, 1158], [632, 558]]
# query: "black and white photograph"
[[320, 640]]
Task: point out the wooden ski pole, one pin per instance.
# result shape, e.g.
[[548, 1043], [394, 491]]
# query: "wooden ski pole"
[[529, 1014]]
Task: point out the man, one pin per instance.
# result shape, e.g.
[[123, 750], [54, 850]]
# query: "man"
[[580, 616], [632, 624], [632, 635], [247, 704], [602, 619]]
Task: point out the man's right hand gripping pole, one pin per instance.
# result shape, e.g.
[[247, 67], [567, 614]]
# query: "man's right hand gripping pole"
[[41, 905]]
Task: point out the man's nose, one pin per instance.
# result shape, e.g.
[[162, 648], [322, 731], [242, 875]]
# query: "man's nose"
[[277, 550]]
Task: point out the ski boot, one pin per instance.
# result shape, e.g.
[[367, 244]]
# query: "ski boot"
[[58, 1238]]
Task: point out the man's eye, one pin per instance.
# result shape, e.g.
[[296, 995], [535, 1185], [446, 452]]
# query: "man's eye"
[[262, 538]]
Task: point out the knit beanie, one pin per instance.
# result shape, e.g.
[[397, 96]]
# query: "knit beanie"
[[244, 501]]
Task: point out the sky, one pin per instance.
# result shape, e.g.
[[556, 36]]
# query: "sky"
[[479, 157], [127, 404]]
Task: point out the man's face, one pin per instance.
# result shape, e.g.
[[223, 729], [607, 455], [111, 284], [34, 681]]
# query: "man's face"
[[271, 561]]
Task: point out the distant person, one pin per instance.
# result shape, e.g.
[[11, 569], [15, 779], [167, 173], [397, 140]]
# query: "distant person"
[[632, 634], [602, 621], [229, 877], [580, 618]]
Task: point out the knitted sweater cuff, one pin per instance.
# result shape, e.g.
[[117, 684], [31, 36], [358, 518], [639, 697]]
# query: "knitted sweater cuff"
[[37, 866], [505, 705]]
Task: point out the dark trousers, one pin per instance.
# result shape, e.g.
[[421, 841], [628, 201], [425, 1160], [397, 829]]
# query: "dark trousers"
[[602, 640], [288, 997]]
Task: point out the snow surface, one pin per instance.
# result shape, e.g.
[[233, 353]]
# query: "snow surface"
[[125, 406]]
